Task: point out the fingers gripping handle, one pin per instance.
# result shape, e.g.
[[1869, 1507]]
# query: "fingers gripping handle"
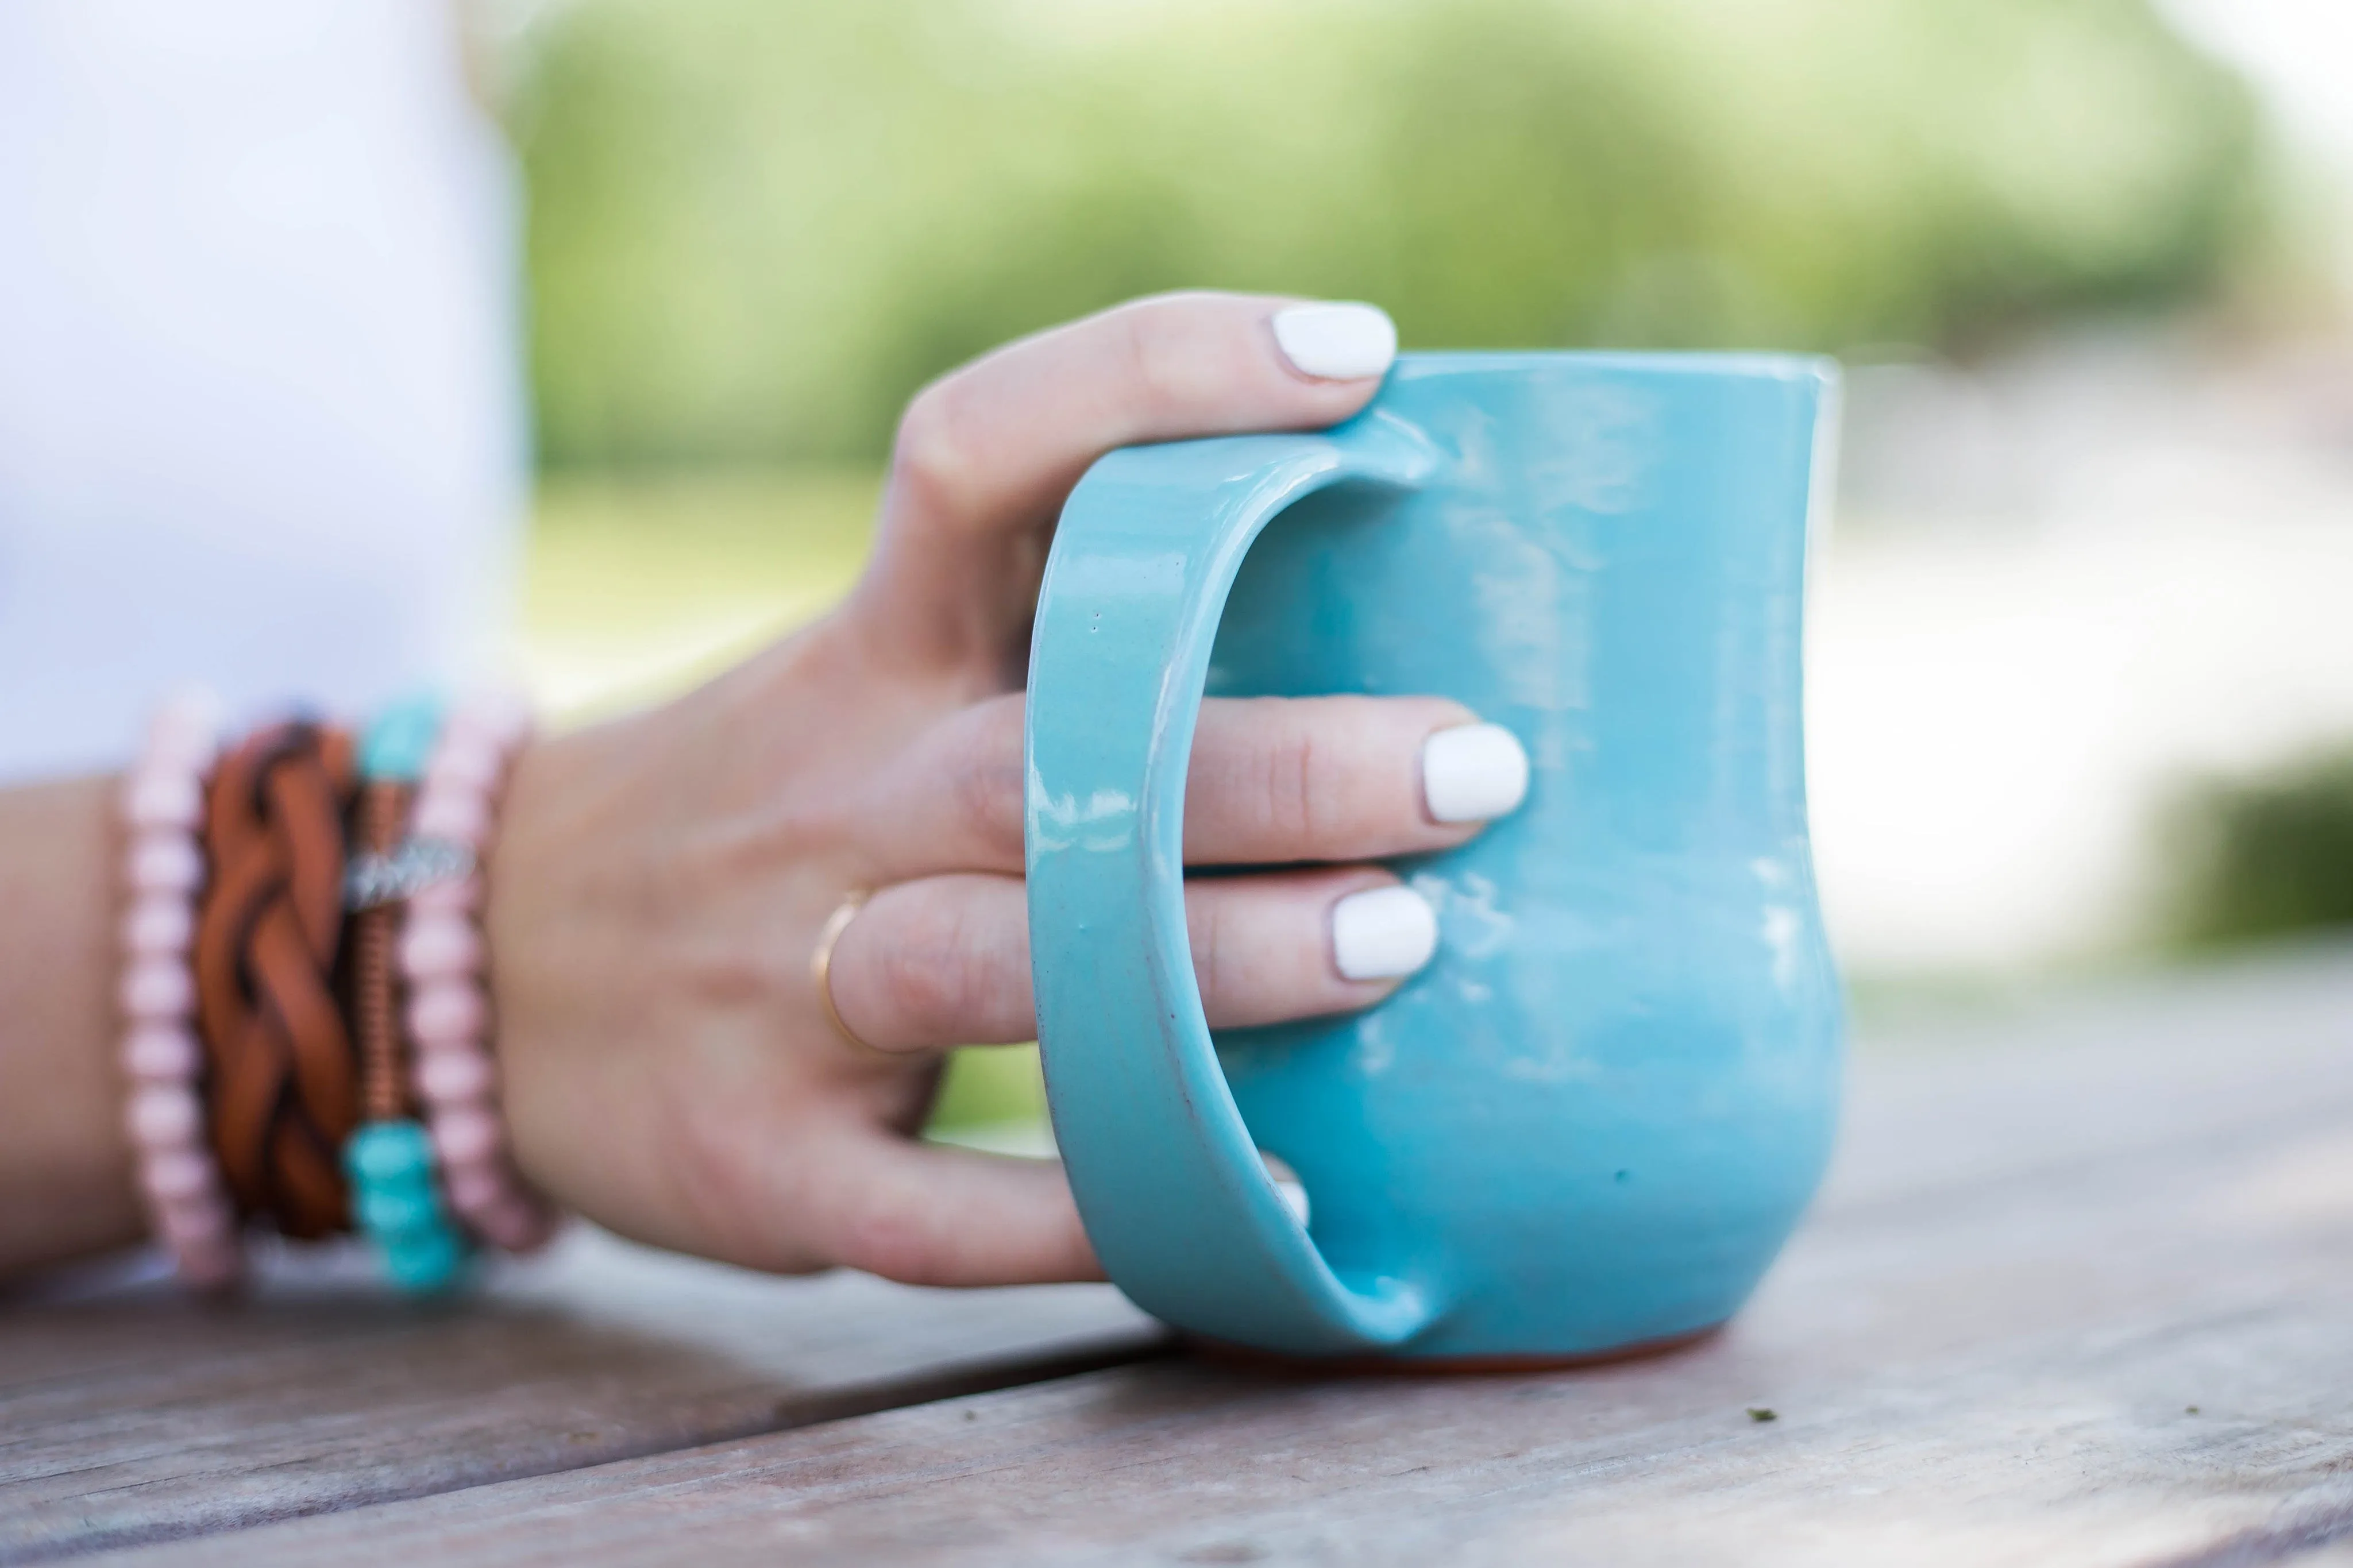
[[1175, 1200]]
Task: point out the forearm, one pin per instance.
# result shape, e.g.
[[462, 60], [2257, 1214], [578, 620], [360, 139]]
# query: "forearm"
[[66, 1186]]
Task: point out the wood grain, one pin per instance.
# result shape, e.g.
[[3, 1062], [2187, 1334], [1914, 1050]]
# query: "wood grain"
[[2081, 1292], [157, 1418]]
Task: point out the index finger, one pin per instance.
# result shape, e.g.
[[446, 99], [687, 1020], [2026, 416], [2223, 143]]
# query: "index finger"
[[1271, 781], [987, 455]]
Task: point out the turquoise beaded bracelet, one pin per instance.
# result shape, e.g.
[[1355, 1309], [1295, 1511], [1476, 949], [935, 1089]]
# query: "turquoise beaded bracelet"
[[396, 1201]]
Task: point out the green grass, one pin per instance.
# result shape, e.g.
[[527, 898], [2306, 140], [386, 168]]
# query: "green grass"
[[636, 589]]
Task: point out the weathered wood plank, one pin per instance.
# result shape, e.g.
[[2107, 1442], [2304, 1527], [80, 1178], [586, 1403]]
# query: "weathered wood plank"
[[151, 1419], [2084, 1294]]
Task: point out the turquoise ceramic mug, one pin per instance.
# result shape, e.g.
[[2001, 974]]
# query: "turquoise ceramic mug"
[[1589, 1124]]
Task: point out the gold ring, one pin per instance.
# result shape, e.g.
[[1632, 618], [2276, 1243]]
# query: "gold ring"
[[821, 964]]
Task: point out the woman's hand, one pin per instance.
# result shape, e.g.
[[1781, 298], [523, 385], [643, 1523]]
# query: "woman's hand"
[[670, 1068]]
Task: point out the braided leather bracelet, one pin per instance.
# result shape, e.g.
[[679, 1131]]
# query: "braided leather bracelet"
[[285, 1094]]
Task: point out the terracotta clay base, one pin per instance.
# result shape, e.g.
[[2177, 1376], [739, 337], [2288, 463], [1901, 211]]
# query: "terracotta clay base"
[[1436, 1366]]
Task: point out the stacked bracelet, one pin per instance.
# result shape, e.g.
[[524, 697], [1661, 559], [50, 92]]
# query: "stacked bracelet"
[[303, 963], [163, 810], [442, 960]]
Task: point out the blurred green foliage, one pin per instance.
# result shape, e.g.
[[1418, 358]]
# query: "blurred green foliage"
[[2262, 857], [757, 225], [989, 1086]]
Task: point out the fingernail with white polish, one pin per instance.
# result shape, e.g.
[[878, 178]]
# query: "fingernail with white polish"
[[1473, 772], [1348, 341], [1382, 934]]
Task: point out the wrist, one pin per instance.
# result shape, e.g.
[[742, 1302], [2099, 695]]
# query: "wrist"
[[65, 1164], [532, 925]]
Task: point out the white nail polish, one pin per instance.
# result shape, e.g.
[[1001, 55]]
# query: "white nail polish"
[[1473, 772], [1336, 343], [1382, 934]]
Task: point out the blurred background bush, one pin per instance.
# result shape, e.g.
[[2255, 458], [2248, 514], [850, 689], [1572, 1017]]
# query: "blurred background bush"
[[756, 226], [2084, 260], [2264, 856]]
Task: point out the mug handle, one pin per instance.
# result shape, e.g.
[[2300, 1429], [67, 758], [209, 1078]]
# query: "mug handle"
[[1176, 1201]]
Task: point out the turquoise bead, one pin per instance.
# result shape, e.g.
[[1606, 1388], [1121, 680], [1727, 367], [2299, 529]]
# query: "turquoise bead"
[[395, 1205], [389, 1211], [387, 1152], [399, 743], [425, 1263]]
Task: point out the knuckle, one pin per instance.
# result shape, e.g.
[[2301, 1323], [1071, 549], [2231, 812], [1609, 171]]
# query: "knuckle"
[[730, 976], [887, 1233], [1161, 346], [723, 966], [1207, 923], [985, 777], [1307, 788], [714, 1178], [934, 456], [937, 981], [1324, 778]]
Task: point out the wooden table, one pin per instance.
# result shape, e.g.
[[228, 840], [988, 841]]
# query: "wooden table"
[[2079, 1292]]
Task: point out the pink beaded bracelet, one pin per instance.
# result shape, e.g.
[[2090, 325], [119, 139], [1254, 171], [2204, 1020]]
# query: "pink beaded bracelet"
[[163, 815], [441, 962]]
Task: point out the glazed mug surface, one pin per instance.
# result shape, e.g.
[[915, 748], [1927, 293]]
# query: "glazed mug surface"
[[1591, 1121]]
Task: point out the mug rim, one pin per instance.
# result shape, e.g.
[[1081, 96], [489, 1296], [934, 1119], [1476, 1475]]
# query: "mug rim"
[[1746, 364]]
